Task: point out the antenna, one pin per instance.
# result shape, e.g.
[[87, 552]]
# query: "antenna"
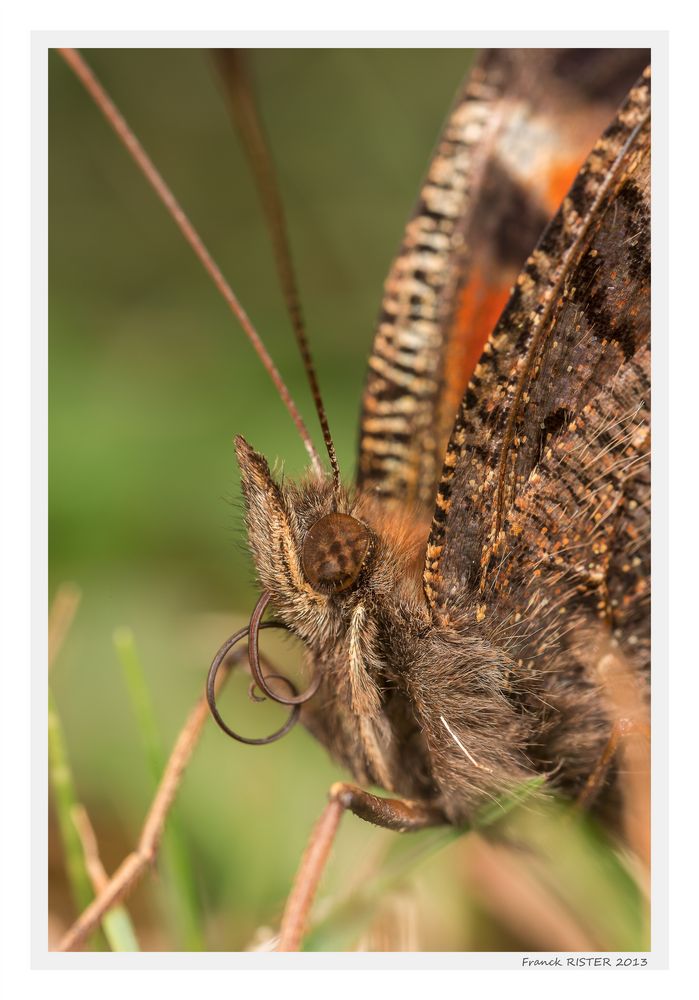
[[245, 113], [147, 167]]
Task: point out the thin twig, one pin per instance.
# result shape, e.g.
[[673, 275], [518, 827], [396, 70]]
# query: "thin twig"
[[88, 838], [135, 865], [178, 876], [308, 876], [402, 859], [177, 213], [116, 924]]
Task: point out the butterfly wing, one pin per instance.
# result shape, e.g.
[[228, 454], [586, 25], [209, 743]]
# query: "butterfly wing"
[[547, 468], [511, 147]]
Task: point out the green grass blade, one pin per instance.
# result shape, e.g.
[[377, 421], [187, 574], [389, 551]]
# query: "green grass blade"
[[177, 871], [116, 924], [65, 799], [119, 930], [344, 919], [495, 812]]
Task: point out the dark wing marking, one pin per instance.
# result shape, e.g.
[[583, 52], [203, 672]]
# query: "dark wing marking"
[[510, 149], [579, 314], [576, 541]]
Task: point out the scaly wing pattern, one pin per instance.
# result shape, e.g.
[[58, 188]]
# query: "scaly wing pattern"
[[511, 147], [547, 469]]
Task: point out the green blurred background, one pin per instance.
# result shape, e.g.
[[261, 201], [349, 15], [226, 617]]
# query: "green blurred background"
[[150, 379]]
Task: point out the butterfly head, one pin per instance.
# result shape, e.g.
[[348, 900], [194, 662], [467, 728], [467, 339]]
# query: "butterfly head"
[[312, 553]]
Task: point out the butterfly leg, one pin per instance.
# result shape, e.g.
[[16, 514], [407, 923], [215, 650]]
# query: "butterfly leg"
[[621, 729], [392, 814]]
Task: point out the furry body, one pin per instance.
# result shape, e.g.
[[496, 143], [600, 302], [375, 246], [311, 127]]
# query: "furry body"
[[464, 657]]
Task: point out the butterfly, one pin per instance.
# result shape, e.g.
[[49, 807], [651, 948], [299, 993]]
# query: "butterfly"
[[456, 657], [457, 601]]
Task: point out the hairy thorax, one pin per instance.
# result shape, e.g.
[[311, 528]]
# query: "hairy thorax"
[[453, 709]]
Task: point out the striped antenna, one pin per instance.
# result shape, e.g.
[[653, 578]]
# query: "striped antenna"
[[147, 167], [240, 95]]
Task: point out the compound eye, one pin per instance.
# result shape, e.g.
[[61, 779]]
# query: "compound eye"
[[334, 552]]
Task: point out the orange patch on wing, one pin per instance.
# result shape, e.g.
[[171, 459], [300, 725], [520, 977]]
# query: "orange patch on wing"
[[486, 293], [481, 303], [559, 178]]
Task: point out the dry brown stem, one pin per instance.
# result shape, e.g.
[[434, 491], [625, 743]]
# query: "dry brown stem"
[[93, 862], [310, 870], [134, 866]]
